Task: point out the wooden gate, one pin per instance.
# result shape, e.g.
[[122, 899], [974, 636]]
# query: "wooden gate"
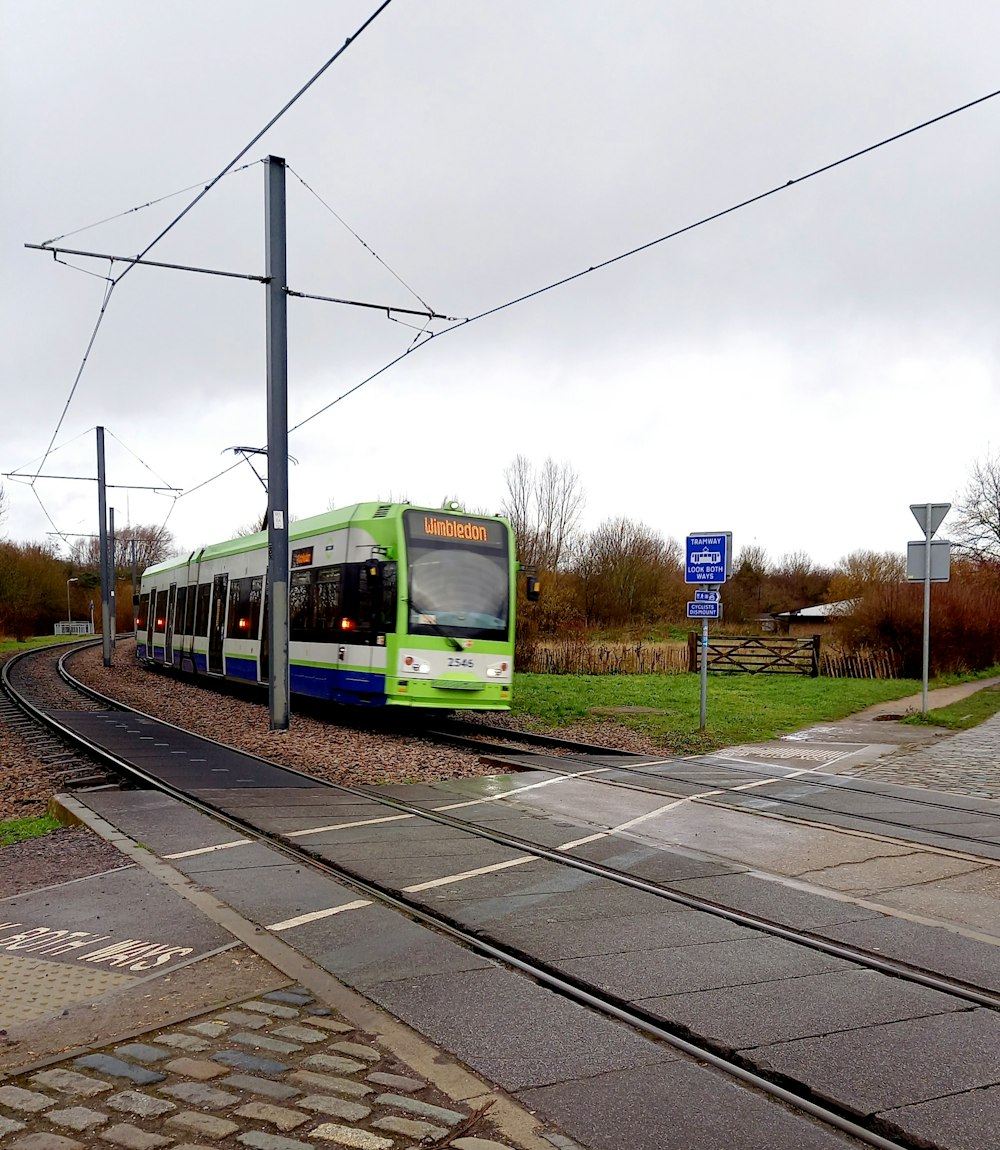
[[756, 655]]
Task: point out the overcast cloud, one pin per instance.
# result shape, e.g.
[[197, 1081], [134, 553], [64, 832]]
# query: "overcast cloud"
[[798, 372]]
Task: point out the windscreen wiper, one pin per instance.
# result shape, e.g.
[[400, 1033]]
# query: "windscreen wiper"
[[428, 620]]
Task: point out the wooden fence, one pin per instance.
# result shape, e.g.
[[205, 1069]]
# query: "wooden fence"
[[579, 657], [756, 654], [861, 665]]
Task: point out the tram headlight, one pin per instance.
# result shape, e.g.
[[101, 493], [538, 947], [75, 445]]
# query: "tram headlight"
[[496, 671], [415, 666]]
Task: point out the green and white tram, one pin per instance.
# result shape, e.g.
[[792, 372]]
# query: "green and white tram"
[[388, 604]]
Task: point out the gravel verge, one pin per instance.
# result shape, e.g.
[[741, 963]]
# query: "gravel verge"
[[338, 751]]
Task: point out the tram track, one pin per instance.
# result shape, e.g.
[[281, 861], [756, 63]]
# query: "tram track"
[[572, 985], [640, 770]]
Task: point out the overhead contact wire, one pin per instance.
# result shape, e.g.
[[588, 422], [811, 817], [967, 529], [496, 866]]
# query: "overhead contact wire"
[[267, 127], [650, 244]]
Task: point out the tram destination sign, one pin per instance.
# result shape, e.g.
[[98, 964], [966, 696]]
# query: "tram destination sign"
[[708, 557]]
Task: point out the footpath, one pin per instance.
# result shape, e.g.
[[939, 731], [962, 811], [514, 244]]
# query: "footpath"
[[234, 1039]]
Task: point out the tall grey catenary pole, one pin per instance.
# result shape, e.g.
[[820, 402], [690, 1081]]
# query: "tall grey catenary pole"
[[135, 593], [102, 515], [113, 570], [928, 533], [275, 268]]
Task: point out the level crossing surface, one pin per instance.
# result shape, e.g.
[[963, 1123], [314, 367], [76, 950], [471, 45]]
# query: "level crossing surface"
[[591, 1081]]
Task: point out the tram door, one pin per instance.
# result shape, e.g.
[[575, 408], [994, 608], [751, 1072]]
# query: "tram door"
[[217, 624], [168, 653], [265, 637]]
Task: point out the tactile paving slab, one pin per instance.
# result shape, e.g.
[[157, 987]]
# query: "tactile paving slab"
[[31, 988]]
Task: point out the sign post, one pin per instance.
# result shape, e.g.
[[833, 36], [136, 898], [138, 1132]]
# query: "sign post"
[[936, 569], [708, 561]]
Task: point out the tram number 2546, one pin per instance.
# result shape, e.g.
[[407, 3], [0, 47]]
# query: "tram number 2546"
[[455, 661]]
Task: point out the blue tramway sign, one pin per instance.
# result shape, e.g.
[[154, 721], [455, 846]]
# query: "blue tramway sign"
[[708, 557]]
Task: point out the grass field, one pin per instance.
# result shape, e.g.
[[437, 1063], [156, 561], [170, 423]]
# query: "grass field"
[[740, 708], [20, 830], [7, 644]]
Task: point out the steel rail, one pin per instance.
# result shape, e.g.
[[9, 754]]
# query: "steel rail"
[[471, 742]]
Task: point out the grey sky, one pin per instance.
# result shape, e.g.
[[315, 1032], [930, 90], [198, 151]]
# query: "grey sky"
[[797, 373]]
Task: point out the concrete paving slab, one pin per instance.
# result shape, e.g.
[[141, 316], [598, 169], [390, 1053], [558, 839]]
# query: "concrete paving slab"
[[513, 1031], [966, 1121], [656, 864], [889, 873], [884, 1067], [971, 900], [676, 1105], [100, 911], [934, 948], [375, 945], [540, 908], [157, 821], [700, 966], [780, 901], [626, 934], [738, 1017], [262, 894], [770, 844]]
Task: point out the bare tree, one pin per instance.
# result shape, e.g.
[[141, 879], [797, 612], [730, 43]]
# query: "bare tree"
[[544, 510], [976, 528], [624, 570], [861, 571], [152, 545], [4, 504]]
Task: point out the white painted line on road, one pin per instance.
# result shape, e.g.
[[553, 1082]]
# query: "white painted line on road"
[[451, 878], [528, 787], [346, 826], [208, 850], [581, 842], [316, 915]]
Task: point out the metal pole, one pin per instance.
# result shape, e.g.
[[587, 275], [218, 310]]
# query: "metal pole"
[[927, 609], [275, 268], [135, 593], [102, 513], [704, 674], [114, 575]]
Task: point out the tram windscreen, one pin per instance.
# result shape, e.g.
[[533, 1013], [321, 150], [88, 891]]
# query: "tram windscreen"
[[457, 576]]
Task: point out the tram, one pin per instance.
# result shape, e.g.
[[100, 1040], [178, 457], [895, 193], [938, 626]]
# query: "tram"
[[389, 604]]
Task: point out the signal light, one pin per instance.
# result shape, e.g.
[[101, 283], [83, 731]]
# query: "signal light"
[[346, 624]]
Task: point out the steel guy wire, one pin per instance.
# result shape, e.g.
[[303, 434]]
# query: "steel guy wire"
[[366, 246]]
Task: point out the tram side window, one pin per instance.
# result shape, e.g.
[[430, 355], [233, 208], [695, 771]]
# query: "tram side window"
[[386, 613], [244, 608], [327, 593], [192, 595], [256, 598], [142, 614], [314, 604], [179, 608], [201, 612], [298, 605], [160, 615]]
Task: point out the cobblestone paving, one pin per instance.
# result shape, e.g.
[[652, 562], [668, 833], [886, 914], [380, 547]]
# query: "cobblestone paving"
[[279, 1072], [967, 763]]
